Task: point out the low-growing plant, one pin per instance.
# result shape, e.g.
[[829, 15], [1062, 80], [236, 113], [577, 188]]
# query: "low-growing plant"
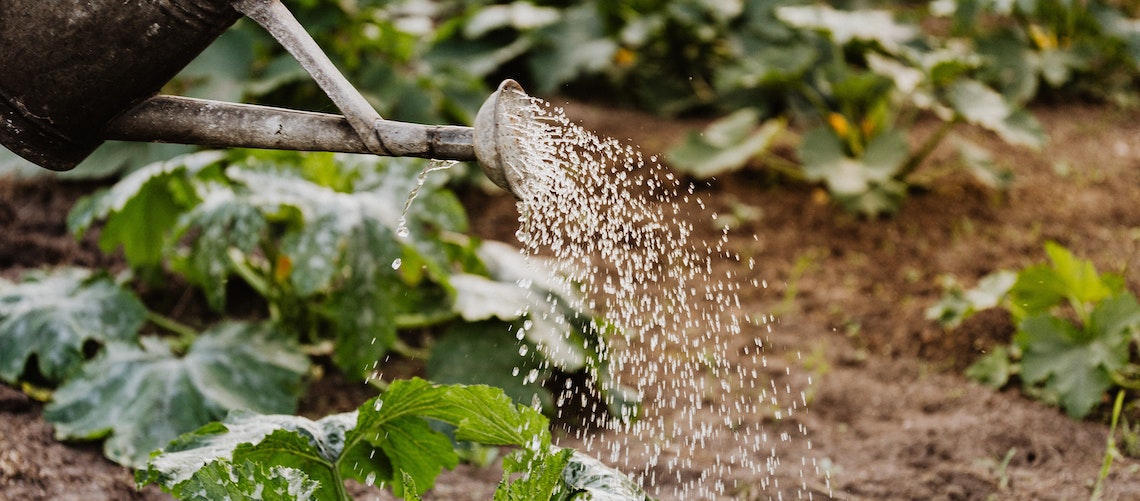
[[866, 80], [1076, 329], [388, 441], [318, 238], [1084, 48]]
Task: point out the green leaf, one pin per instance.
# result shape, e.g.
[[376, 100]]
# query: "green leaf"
[[1075, 364], [271, 442], [980, 164], [885, 154], [1040, 288], [516, 15], [409, 486], [980, 105], [488, 353], [1057, 66], [222, 221], [141, 208], [345, 245], [380, 443], [144, 397], [993, 370], [1082, 282], [541, 477], [480, 414], [1115, 318], [957, 305], [991, 289], [867, 184], [479, 298], [726, 145], [574, 46], [1037, 289], [845, 26], [223, 480], [416, 450], [588, 475], [52, 314]]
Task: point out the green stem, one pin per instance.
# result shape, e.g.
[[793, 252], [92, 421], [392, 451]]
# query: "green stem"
[[926, 149], [186, 334], [1110, 447], [783, 166], [1123, 381], [247, 273], [257, 281]]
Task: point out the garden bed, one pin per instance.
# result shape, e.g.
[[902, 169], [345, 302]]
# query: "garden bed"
[[890, 415]]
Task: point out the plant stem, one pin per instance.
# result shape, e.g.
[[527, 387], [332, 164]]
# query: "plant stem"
[[186, 334], [1110, 451], [247, 273], [926, 149], [783, 166]]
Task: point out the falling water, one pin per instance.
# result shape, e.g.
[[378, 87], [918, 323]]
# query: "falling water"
[[402, 230], [432, 166], [615, 224]]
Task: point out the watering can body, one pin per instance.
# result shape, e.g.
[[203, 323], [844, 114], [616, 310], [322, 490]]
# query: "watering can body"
[[70, 67], [74, 73]]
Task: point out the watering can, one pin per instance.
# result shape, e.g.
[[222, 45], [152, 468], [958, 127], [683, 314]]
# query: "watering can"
[[74, 73]]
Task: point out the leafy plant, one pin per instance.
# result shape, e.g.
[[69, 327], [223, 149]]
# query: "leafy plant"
[[140, 391], [862, 81], [958, 303], [861, 151], [725, 145], [1075, 331], [316, 237], [142, 397], [388, 440], [1089, 48], [49, 317]]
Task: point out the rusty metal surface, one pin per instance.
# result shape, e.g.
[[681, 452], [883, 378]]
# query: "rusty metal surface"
[[68, 67]]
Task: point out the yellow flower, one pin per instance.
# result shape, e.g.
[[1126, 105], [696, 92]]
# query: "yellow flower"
[[1043, 39], [624, 57], [839, 124], [283, 269]]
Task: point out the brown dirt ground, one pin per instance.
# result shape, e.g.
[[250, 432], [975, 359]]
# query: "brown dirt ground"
[[890, 416]]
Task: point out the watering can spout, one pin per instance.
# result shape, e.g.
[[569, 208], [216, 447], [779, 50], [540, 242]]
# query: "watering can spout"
[[75, 73]]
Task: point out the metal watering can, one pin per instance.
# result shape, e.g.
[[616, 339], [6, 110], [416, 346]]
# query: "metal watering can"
[[74, 73]]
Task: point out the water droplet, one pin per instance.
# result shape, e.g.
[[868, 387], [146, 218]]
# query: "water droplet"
[[397, 263], [610, 234]]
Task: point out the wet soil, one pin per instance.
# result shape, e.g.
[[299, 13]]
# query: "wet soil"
[[889, 417]]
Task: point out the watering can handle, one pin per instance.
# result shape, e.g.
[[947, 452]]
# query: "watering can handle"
[[283, 26], [183, 120]]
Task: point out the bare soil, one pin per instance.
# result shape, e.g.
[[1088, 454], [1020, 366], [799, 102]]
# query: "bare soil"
[[890, 417]]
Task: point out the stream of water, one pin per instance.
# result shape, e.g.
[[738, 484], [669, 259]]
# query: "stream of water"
[[619, 228]]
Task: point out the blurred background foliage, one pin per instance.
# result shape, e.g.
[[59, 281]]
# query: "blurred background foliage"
[[847, 78]]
